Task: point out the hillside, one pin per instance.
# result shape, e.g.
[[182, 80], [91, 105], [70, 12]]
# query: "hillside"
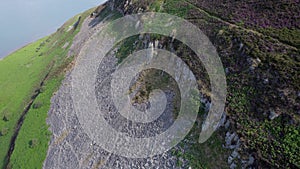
[[257, 41], [29, 77]]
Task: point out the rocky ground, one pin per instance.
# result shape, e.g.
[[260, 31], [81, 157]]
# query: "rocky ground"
[[70, 146], [262, 92]]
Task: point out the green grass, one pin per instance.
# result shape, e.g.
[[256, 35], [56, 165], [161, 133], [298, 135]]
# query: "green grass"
[[156, 5], [21, 74], [210, 154], [26, 154], [176, 7]]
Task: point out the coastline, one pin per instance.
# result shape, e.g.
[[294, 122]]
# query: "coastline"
[[26, 44]]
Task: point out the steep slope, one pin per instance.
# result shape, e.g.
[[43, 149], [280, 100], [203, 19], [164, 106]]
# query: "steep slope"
[[258, 43], [29, 77], [261, 120]]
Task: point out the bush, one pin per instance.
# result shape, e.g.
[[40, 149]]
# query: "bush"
[[6, 116], [37, 105], [4, 131], [42, 89], [33, 143]]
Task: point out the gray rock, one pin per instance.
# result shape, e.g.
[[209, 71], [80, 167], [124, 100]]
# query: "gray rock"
[[66, 45], [207, 106], [236, 138], [230, 160], [223, 120], [232, 141], [227, 70], [227, 124], [252, 68], [251, 160], [253, 63], [233, 166], [71, 148], [229, 137], [241, 46], [234, 154], [272, 114]]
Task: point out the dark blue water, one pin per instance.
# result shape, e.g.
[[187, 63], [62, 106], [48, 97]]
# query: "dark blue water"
[[24, 21]]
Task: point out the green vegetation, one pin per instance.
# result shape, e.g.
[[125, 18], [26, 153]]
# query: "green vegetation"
[[239, 97], [4, 131], [289, 36], [210, 154], [156, 5], [21, 75], [32, 142], [275, 142], [177, 7], [126, 48]]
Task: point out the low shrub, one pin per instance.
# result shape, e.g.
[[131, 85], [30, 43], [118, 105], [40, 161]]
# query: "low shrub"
[[33, 143], [4, 131], [37, 105]]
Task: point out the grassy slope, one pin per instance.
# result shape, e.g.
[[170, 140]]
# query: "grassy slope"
[[32, 143], [20, 75]]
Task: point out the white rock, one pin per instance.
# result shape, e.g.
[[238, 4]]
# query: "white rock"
[[273, 114], [241, 46], [227, 70]]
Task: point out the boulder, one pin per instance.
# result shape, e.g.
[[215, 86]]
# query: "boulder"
[[272, 114]]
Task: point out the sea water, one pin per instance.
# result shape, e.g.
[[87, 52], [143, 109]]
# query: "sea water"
[[24, 21]]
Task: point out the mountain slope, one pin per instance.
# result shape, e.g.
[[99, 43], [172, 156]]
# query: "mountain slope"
[[258, 43], [29, 77]]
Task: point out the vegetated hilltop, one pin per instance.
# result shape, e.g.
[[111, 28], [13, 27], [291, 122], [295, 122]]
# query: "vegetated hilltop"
[[258, 43]]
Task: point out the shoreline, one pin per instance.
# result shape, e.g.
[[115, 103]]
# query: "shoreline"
[[26, 44], [45, 32]]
